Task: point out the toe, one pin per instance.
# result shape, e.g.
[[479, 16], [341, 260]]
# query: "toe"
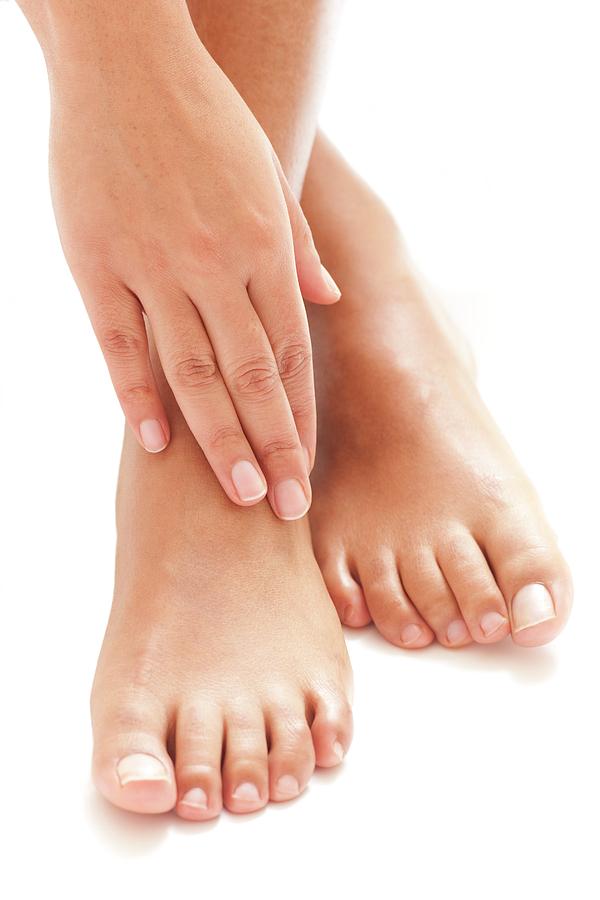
[[344, 590], [536, 584], [291, 753], [198, 751], [131, 766], [245, 762], [394, 615], [478, 596], [331, 728], [430, 593]]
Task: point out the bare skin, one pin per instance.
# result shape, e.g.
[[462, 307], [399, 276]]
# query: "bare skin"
[[223, 675], [422, 521]]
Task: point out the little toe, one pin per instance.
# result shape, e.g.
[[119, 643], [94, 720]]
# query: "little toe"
[[245, 762], [198, 750], [536, 584], [344, 590], [291, 753], [131, 766], [394, 615], [331, 728], [430, 593], [478, 596]]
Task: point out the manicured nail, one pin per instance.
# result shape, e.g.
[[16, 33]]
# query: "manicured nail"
[[196, 798], [287, 786], [290, 499], [247, 481], [331, 285], [152, 435], [247, 792], [338, 750], [491, 622], [410, 634], [140, 767], [531, 606], [457, 632]]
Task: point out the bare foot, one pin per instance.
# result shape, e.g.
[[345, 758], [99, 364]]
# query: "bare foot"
[[223, 675], [422, 519]]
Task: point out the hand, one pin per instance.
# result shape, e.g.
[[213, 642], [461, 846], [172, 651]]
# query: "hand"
[[171, 206]]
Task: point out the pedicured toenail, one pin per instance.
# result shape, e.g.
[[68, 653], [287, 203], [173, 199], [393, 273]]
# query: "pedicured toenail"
[[287, 786], [152, 435], [196, 798], [457, 632], [411, 633], [247, 792], [492, 622], [247, 481], [338, 750], [290, 499], [531, 606], [140, 767]]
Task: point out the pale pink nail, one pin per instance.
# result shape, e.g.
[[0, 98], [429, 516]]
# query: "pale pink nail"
[[531, 606], [196, 798], [247, 481], [152, 435], [140, 767], [288, 786], [290, 499], [410, 634], [491, 622], [247, 792], [331, 285], [457, 632], [338, 750]]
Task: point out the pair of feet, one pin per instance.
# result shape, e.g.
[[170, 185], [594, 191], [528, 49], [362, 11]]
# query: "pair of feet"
[[224, 677]]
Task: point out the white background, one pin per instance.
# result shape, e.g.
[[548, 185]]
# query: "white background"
[[472, 774]]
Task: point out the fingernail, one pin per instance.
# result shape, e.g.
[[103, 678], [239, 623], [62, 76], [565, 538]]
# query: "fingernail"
[[531, 606], [152, 435], [247, 481], [331, 285], [140, 767], [338, 750], [457, 632], [247, 792], [410, 634], [491, 622], [290, 499], [288, 786], [196, 798]]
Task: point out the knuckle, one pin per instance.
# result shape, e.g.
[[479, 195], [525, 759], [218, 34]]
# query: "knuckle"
[[255, 378], [222, 437], [294, 359], [279, 446], [138, 392], [120, 344], [194, 372]]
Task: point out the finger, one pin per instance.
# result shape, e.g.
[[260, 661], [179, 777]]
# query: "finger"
[[250, 372], [192, 372], [276, 298], [118, 322], [316, 284]]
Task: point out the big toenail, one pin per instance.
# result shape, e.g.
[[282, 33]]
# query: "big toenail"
[[196, 798], [247, 481], [140, 767], [338, 750], [491, 622], [410, 634], [247, 792], [290, 499], [531, 606], [287, 786], [457, 632]]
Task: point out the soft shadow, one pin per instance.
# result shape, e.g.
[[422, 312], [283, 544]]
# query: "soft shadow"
[[525, 665]]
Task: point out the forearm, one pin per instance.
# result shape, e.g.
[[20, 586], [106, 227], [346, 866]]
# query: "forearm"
[[276, 54]]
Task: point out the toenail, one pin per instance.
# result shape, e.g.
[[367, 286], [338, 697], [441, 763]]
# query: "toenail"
[[247, 481], [196, 798], [410, 634], [531, 606], [247, 792], [152, 435], [457, 632], [287, 786], [491, 622], [290, 499], [338, 750], [140, 767]]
